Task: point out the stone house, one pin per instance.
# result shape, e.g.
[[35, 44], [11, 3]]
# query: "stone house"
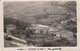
[[10, 28]]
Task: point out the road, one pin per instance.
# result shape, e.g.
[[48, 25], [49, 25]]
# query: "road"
[[16, 42]]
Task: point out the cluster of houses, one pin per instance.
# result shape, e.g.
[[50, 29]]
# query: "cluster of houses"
[[43, 32]]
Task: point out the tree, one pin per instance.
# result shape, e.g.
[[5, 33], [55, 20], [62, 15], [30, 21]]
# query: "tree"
[[71, 6]]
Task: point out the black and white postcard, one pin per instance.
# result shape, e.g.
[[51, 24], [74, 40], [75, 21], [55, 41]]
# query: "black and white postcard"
[[40, 25]]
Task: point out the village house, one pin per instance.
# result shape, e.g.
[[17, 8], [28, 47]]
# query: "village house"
[[39, 28], [64, 34], [10, 28]]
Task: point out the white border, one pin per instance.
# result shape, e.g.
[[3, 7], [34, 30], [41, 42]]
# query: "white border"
[[77, 48]]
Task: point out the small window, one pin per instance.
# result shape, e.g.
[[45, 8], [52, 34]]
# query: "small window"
[[54, 34]]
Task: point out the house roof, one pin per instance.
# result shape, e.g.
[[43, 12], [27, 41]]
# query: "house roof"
[[40, 27]]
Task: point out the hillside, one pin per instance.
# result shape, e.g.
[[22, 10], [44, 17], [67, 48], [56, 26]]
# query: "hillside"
[[33, 11]]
